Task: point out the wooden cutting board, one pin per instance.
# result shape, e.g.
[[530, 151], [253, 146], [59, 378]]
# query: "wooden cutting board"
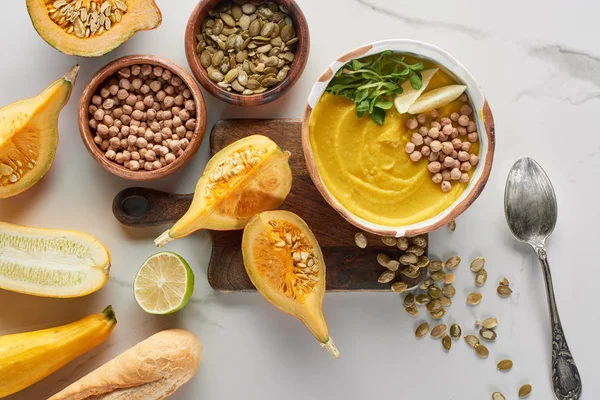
[[349, 268]]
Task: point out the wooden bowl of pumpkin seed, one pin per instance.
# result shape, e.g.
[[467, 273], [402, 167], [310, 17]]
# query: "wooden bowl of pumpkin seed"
[[247, 52]]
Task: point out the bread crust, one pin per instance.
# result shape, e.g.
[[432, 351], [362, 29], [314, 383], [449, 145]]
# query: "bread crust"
[[152, 369]]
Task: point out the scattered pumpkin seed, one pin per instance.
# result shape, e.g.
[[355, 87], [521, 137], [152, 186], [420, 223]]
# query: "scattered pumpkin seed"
[[434, 305], [412, 310], [383, 259], [452, 225], [490, 323], [361, 240], [446, 302], [452, 262], [474, 298], [409, 300], [472, 340], [422, 330], [399, 287], [408, 259], [449, 290], [481, 278], [504, 282], [438, 314], [482, 351], [438, 331], [416, 250], [449, 279], [423, 299], [438, 276], [447, 342], [504, 291], [477, 264], [435, 292], [435, 265], [505, 365], [498, 396], [393, 265], [386, 276], [411, 272], [426, 283], [455, 331], [419, 241], [525, 391], [402, 243], [388, 241], [488, 334], [422, 262]]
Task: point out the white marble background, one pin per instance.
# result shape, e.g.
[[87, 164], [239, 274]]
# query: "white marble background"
[[539, 63]]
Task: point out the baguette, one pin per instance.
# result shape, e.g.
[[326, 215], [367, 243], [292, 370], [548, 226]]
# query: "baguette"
[[151, 370]]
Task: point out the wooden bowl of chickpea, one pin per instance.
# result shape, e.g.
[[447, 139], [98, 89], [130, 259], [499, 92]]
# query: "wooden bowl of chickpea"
[[142, 117]]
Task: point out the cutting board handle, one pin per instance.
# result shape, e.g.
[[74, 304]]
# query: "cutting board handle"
[[139, 207]]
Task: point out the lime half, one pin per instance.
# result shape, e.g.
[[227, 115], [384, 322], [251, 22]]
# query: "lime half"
[[164, 284]]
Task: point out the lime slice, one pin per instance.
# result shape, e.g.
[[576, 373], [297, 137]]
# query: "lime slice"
[[409, 94], [164, 284], [437, 98]]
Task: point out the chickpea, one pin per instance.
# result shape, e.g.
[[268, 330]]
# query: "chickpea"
[[184, 115], [137, 115], [454, 133], [119, 158], [148, 135], [155, 86], [179, 153], [148, 101], [190, 124], [447, 129], [156, 164], [433, 156], [170, 90], [125, 72], [177, 122], [447, 148], [107, 120], [463, 97], [134, 165], [421, 118], [142, 163], [426, 141], [448, 162], [146, 70], [111, 155], [135, 70], [148, 166], [99, 114], [434, 133], [472, 127], [464, 178], [135, 155], [167, 116], [124, 144], [463, 156], [96, 100], [189, 135], [126, 155], [136, 83], [415, 156], [117, 113], [446, 121], [145, 89], [125, 84], [104, 145], [466, 146], [170, 158], [166, 75], [437, 178], [168, 101], [434, 167], [141, 142], [102, 130], [104, 93], [186, 93], [92, 109], [463, 120], [434, 114], [423, 131], [473, 159], [466, 166], [454, 116], [143, 154], [176, 81], [131, 100], [163, 162], [465, 109], [436, 124], [472, 137], [113, 131], [150, 155], [412, 123], [436, 146], [114, 142], [175, 137], [93, 123], [180, 132], [127, 110], [456, 143], [166, 133], [98, 140], [455, 174], [446, 186], [151, 114], [175, 145], [415, 138]]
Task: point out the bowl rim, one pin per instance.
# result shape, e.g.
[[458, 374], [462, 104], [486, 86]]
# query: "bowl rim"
[[296, 69], [106, 72], [485, 127]]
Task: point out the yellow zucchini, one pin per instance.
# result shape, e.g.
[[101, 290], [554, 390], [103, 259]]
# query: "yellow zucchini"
[[27, 358]]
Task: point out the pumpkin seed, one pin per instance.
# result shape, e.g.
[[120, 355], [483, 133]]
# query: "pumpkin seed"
[[205, 59], [287, 33], [438, 331], [217, 58], [434, 305], [248, 8], [504, 282], [409, 300], [392, 265], [477, 264], [400, 287], [382, 258], [482, 351], [487, 334], [242, 77], [215, 76], [504, 291], [416, 250], [237, 87], [361, 240], [505, 365], [438, 314], [447, 342], [422, 262], [452, 225], [449, 279], [435, 265], [426, 283], [423, 299], [481, 278], [490, 323], [498, 396], [402, 243], [231, 75], [438, 276], [244, 22], [253, 84], [422, 330], [386, 276], [388, 241], [525, 391], [411, 272], [446, 302], [474, 298], [455, 331], [452, 262], [419, 241], [408, 259], [449, 291], [472, 340], [412, 310], [435, 292]]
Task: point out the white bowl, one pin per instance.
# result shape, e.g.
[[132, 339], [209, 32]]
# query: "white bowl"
[[483, 119]]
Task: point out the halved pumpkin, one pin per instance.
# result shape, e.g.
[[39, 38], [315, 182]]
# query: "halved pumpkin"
[[91, 28], [29, 136], [284, 262]]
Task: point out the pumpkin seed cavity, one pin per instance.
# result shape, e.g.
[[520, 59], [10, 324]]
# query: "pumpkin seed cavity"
[[19, 154], [89, 18]]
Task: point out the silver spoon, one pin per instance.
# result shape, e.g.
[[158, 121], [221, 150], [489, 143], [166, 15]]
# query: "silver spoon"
[[531, 213]]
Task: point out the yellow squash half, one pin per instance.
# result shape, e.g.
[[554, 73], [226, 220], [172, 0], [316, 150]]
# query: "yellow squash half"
[[27, 358], [50, 262], [29, 136], [91, 28], [249, 176], [284, 262]]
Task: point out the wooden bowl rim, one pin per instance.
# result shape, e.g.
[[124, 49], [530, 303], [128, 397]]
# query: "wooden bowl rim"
[[436, 222], [296, 69], [109, 70]]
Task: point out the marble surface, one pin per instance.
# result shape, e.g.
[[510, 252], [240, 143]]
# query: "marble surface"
[[539, 64]]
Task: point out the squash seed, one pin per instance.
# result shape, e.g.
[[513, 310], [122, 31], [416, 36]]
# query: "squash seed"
[[449, 291], [447, 342], [434, 305], [446, 302], [504, 282], [416, 250], [498, 396], [455, 331], [361, 240], [452, 262], [393, 265], [399, 287], [386, 276], [438, 331], [481, 278], [422, 262], [423, 299], [435, 265], [438, 276], [408, 259], [505, 365], [477, 264], [426, 283], [383, 259], [409, 300], [402, 243], [490, 323], [422, 330], [411, 272], [419, 241], [438, 315], [388, 241], [524, 391], [449, 279], [452, 225], [487, 334], [412, 310], [472, 340], [482, 351], [474, 298], [504, 291], [435, 292]]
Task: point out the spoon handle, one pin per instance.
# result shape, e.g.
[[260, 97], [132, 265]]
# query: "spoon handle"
[[565, 376]]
